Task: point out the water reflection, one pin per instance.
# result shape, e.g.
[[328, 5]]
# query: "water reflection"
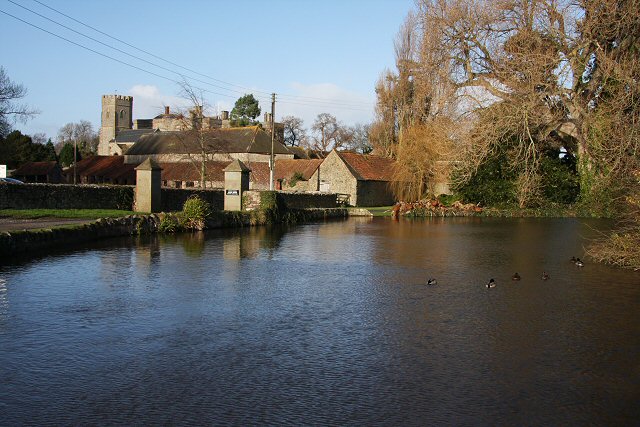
[[327, 323]]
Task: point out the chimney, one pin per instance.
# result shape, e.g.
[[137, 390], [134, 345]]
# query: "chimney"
[[166, 110], [225, 115]]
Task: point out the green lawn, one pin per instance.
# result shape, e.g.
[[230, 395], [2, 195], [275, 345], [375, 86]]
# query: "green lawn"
[[63, 213]]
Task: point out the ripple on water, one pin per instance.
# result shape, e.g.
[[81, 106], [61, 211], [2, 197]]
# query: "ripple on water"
[[327, 324]]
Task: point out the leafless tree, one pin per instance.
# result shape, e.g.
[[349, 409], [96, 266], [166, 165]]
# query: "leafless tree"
[[81, 134], [359, 140], [325, 129], [294, 132], [197, 130], [10, 109]]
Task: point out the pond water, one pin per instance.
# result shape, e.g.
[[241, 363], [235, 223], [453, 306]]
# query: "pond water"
[[324, 324]]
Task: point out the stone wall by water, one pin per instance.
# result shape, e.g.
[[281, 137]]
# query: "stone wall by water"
[[31, 241]]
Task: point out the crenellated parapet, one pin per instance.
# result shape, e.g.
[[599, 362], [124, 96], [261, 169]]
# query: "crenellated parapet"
[[122, 97]]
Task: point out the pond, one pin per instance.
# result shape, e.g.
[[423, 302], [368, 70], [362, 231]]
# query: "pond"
[[324, 324]]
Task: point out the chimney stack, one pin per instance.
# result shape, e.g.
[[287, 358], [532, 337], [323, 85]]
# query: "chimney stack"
[[166, 110], [225, 115]]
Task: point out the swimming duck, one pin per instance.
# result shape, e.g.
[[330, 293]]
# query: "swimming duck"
[[573, 259], [516, 276], [491, 284], [579, 263], [545, 276], [432, 282]]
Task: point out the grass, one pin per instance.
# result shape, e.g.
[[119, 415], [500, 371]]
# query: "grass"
[[63, 213]]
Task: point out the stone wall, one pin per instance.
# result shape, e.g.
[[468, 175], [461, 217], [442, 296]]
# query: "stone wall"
[[31, 241], [54, 196], [60, 196], [316, 200], [374, 193], [173, 198], [335, 177]]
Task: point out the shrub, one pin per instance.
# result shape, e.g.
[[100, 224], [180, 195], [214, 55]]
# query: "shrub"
[[297, 176], [168, 224], [194, 213], [493, 183], [560, 180]]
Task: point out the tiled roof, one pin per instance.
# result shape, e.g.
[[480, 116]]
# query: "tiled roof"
[[35, 168], [298, 152], [285, 169], [188, 171], [130, 136], [109, 167], [250, 139], [367, 167]]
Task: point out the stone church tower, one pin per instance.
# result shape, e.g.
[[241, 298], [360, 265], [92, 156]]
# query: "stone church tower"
[[117, 111]]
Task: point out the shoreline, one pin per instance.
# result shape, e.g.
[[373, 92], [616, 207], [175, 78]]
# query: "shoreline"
[[20, 242]]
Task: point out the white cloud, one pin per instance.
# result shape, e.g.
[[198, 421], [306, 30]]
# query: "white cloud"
[[307, 101], [148, 101]]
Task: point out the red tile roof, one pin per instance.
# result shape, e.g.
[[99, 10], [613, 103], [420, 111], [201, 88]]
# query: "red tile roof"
[[367, 167], [35, 168], [285, 169], [106, 167]]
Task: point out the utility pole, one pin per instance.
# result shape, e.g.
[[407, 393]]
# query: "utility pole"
[[272, 161], [75, 160]]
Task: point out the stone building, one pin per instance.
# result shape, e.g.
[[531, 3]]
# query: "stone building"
[[364, 178], [298, 174], [118, 130]]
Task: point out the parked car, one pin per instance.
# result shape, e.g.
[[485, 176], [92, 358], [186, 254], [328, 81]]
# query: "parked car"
[[11, 181]]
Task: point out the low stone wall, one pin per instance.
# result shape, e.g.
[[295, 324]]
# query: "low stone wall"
[[252, 200], [173, 198], [31, 241], [60, 196]]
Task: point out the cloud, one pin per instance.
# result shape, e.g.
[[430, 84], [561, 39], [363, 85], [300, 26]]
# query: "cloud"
[[307, 101], [148, 101]]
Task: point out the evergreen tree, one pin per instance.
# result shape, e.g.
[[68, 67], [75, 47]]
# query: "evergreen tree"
[[245, 111], [66, 155]]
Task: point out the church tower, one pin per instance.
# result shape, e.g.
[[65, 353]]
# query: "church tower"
[[117, 115]]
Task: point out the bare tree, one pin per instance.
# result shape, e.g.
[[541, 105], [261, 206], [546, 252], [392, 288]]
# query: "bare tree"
[[325, 129], [196, 133], [10, 110], [359, 140], [80, 134], [294, 133]]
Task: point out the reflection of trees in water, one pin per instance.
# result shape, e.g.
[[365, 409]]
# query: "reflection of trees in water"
[[193, 243], [249, 243]]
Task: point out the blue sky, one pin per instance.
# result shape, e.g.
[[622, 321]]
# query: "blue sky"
[[318, 56]]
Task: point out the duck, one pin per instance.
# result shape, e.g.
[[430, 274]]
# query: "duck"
[[573, 259], [491, 284], [579, 263], [545, 276], [515, 276], [432, 282]]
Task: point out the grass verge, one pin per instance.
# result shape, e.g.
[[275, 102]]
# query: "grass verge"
[[63, 213]]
